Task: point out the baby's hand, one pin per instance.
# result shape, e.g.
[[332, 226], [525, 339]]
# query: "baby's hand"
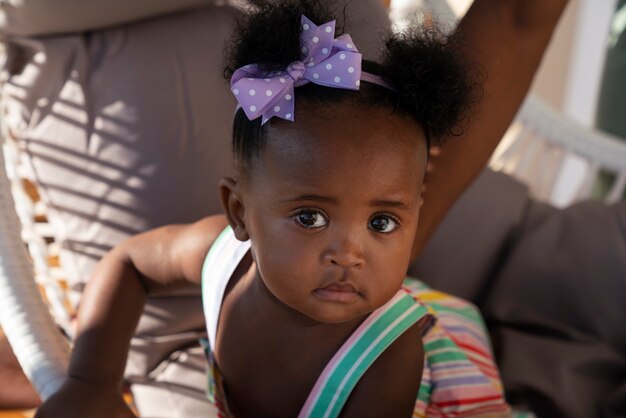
[[80, 399]]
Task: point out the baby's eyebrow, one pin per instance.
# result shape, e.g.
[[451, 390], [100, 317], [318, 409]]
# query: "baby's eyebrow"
[[313, 197], [389, 203], [378, 203]]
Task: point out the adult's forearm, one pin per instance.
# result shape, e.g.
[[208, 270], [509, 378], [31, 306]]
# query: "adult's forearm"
[[506, 38], [109, 312]]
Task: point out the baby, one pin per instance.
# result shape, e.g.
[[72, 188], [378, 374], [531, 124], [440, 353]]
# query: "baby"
[[307, 305]]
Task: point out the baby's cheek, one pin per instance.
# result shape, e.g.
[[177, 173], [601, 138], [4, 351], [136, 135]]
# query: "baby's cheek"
[[390, 276], [283, 267]]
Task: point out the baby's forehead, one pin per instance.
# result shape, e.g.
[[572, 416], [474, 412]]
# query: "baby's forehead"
[[362, 129], [343, 147], [344, 168]]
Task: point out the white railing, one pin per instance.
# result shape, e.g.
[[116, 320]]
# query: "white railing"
[[540, 140]]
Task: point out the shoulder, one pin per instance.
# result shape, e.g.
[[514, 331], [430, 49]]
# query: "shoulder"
[[173, 253], [390, 385], [194, 242]]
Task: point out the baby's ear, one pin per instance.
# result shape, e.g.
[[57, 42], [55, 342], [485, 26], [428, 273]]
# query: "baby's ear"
[[232, 203]]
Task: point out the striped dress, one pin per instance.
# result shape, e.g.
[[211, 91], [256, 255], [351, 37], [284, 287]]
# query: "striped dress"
[[460, 378]]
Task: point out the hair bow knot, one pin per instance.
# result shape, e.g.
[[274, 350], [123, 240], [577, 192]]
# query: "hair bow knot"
[[325, 60], [296, 71]]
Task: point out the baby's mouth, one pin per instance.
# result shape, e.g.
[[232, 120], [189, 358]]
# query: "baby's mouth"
[[337, 292], [340, 287]]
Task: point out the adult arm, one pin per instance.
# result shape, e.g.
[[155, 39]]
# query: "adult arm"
[[44, 17], [113, 301], [507, 39]]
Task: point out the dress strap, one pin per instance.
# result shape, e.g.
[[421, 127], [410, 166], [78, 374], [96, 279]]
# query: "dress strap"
[[219, 265], [381, 328]]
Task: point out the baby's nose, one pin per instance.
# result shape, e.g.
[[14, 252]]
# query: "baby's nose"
[[346, 252]]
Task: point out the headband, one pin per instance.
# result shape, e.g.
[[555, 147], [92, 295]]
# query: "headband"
[[327, 61]]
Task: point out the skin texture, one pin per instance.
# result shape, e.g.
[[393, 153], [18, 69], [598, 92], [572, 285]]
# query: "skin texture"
[[507, 38]]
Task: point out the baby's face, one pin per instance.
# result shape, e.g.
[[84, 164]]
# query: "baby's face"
[[331, 207]]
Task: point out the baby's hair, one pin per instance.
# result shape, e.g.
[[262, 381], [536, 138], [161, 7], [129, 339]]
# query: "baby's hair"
[[431, 79]]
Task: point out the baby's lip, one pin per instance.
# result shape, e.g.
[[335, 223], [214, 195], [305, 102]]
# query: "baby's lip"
[[337, 292], [340, 287]]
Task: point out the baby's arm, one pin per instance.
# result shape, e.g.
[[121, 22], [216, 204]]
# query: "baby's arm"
[[507, 39], [147, 263]]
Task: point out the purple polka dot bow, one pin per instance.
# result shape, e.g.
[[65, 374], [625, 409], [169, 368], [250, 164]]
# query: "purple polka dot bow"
[[327, 61]]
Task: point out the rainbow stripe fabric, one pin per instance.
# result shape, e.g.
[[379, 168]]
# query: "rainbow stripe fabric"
[[460, 378]]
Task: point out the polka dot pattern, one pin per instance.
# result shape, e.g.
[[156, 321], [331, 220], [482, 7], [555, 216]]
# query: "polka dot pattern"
[[328, 61]]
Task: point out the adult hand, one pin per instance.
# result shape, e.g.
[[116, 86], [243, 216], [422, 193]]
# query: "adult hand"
[[79, 399]]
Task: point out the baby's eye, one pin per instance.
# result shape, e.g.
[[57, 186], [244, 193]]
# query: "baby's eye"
[[383, 223], [311, 219]]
